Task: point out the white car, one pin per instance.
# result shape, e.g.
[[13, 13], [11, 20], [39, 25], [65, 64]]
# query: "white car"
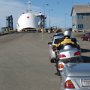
[[76, 76], [56, 39]]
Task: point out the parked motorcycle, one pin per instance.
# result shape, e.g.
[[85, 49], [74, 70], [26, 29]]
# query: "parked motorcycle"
[[68, 54]]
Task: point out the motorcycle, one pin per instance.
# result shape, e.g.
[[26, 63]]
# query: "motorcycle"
[[67, 54]]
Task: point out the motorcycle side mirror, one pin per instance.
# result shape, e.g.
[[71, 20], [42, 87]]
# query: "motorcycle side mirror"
[[49, 42]]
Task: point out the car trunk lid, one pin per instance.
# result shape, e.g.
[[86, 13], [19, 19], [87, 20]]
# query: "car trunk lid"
[[79, 69]]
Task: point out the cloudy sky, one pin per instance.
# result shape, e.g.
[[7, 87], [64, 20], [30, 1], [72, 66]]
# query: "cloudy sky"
[[58, 10], [9, 7], [12, 7]]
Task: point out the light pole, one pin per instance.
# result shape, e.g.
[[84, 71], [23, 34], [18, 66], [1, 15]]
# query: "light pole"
[[50, 17], [45, 7], [29, 6], [65, 20]]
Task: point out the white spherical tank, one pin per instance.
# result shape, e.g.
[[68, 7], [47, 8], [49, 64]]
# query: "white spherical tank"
[[27, 20]]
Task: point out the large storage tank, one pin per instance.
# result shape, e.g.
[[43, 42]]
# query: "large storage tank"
[[27, 21]]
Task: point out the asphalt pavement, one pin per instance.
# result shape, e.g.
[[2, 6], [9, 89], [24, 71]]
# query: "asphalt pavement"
[[25, 64]]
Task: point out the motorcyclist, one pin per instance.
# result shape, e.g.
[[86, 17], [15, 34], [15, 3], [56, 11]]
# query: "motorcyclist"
[[67, 40]]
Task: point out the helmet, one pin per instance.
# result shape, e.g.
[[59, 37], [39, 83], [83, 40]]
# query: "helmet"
[[67, 33]]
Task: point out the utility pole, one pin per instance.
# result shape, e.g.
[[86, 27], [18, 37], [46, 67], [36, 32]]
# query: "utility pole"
[[45, 16], [45, 7], [29, 6], [65, 20], [50, 17]]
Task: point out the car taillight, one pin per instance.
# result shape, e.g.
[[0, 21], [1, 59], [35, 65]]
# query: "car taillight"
[[62, 56], [69, 84], [77, 53]]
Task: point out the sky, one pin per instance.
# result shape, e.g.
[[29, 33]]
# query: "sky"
[[57, 11]]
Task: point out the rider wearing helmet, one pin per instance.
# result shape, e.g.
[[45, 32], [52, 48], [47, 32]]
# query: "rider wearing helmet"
[[67, 40]]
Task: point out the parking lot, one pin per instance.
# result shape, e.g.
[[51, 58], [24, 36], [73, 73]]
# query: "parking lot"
[[25, 64]]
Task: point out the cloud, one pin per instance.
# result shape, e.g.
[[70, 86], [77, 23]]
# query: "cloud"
[[16, 8], [13, 7]]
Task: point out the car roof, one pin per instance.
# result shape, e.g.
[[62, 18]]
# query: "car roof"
[[58, 36]]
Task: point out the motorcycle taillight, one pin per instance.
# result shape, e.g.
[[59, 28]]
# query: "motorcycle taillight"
[[62, 56], [61, 66], [77, 53]]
